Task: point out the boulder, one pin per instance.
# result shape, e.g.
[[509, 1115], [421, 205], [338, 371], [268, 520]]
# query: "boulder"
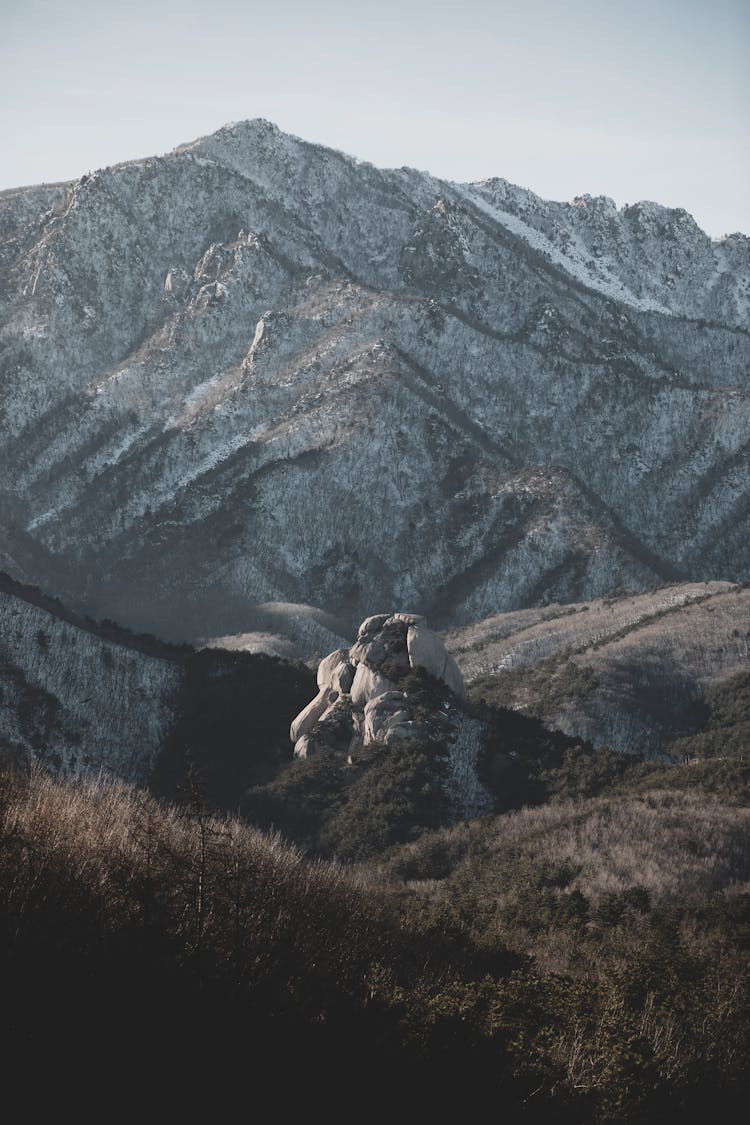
[[335, 672], [370, 651], [334, 730], [453, 678], [307, 719], [383, 713], [371, 625], [393, 633], [406, 618], [427, 651], [367, 685], [304, 747]]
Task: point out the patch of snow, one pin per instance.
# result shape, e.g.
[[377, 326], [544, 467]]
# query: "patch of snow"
[[574, 263]]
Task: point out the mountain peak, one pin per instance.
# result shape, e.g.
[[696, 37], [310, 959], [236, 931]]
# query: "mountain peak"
[[460, 397], [256, 126]]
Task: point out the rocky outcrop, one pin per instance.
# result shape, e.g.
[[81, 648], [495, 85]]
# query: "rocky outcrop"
[[427, 651], [365, 677], [361, 702]]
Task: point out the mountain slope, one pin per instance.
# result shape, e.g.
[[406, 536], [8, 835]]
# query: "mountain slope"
[[256, 370], [632, 672], [85, 698]]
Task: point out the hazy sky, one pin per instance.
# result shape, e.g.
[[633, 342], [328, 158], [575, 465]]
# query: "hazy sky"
[[644, 99]]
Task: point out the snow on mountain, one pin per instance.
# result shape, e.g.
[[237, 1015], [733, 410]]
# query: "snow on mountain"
[[652, 258], [76, 700], [259, 371]]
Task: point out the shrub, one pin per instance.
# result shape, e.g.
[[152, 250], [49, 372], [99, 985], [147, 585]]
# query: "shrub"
[[354, 810]]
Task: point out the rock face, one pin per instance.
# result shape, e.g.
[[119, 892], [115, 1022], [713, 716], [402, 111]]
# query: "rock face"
[[315, 710], [258, 372], [359, 678], [368, 684], [335, 672], [360, 703], [427, 651]]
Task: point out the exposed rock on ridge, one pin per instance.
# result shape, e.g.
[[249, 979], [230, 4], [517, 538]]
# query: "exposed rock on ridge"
[[360, 702]]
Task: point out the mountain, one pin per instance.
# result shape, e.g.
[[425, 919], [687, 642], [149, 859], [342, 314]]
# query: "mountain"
[[639, 673], [388, 748], [259, 372]]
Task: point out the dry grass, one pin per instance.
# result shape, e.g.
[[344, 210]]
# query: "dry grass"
[[127, 922], [679, 846], [523, 638], [629, 673], [110, 841]]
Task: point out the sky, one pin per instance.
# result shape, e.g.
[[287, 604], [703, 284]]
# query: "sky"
[[645, 99]]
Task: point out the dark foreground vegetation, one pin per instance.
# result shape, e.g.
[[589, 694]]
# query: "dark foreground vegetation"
[[513, 963], [350, 807]]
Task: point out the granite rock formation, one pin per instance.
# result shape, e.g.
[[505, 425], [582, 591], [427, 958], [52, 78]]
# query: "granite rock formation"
[[362, 702]]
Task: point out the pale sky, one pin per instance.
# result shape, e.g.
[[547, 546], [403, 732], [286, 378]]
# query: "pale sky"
[[645, 99]]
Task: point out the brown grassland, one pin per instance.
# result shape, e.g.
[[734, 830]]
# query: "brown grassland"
[[586, 960]]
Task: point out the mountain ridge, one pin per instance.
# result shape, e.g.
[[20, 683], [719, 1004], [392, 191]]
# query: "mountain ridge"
[[633, 672], [235, 374]]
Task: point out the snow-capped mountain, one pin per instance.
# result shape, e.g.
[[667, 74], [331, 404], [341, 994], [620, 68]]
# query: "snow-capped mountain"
[[260, 371]]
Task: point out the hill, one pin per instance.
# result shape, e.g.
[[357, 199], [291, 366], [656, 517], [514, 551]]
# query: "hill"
[[634, 672], [84, 697], [167, 944]]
